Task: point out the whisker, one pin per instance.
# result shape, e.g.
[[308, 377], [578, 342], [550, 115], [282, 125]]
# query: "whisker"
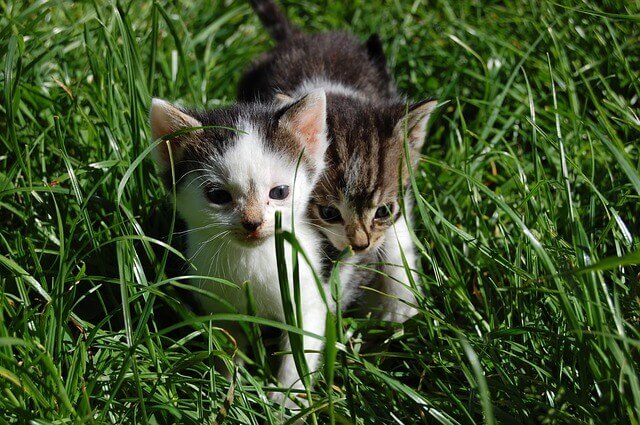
[[201, 245], [195, 229], [320, 227]]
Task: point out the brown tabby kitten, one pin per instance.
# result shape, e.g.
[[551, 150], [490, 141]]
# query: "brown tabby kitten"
[[357, 200]]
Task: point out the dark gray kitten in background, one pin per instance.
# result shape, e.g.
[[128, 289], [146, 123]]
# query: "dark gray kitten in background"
[[357, 200]]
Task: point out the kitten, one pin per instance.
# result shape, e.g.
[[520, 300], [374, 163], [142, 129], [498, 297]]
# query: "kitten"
[[229, 184], [357, 200]]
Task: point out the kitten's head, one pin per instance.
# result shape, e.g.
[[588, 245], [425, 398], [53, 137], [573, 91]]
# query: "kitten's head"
[[357, 198], [236, 166]]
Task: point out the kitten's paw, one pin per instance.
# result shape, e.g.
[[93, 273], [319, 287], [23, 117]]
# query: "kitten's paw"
[[277, 397], [228, 368], [281, 399], [400, 314]]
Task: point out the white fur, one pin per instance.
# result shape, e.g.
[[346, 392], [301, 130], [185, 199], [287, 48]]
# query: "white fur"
[[215, 248], [397, 304], [328, 86], [352, 177]]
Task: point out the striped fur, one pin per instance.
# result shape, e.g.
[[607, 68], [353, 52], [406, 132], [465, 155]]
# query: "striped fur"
[[368, 124]]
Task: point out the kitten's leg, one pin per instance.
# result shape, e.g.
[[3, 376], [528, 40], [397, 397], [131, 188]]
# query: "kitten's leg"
[[397, 304], [232, 331], [313, 321], [238, 338]]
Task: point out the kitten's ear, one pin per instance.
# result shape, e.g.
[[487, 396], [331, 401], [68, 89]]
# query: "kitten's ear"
[[166, 119], [375, 51], [414, 125], [282, 99], [307, 120]]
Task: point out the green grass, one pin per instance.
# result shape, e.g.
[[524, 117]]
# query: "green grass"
[[528, 216]]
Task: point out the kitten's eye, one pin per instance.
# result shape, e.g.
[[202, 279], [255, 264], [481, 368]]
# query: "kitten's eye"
[[329, 213], [219, 196], [279, 192], [384, 211]]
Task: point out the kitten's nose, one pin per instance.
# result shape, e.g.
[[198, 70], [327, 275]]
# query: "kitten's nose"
[[251, 226], [360, 247], [360, 240]]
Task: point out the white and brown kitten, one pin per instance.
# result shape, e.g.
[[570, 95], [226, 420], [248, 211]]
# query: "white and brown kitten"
[[229, 184], [357, 200]]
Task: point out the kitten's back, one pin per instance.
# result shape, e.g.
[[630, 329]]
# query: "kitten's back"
[[334, 60]]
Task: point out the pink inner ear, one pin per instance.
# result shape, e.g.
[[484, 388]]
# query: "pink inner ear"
[[309, 128], [161, 126], [307, 120], [166, 119]]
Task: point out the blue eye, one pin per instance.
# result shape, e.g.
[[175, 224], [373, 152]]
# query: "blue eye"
[[279, 192], [329, 213], [219, 196]]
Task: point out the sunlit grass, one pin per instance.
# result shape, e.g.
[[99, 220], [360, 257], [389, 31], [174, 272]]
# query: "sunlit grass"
[[527, 218]]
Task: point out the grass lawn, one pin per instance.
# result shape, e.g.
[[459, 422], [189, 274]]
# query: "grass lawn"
[[528, 216]]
